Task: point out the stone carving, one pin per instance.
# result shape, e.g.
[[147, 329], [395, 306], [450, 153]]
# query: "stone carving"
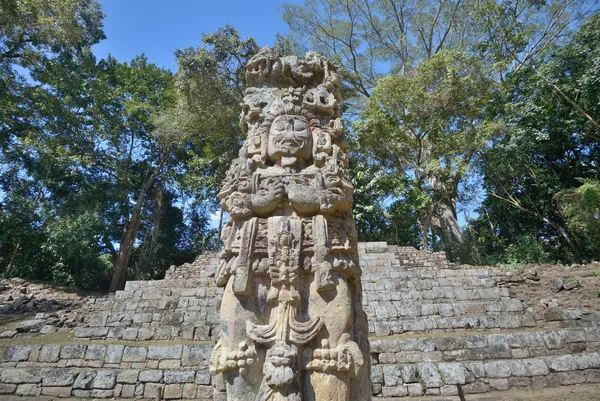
[[292, 325]]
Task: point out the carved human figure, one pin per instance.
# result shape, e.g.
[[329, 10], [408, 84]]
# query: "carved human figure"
[[292, 325]]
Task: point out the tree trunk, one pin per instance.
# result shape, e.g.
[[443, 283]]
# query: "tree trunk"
[[130, 231], [12, 258], [218, 241], [424, 227], [450, 230], [447, 217]]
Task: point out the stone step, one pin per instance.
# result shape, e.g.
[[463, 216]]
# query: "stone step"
[[196, 331], [505, 320], [450, 347], [397, 380], [410, 308], [503, 360]]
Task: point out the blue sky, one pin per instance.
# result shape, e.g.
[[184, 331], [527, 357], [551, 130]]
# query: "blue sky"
[[158, 27]]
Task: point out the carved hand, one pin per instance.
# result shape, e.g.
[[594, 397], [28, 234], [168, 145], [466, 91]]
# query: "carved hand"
[[266, 199]]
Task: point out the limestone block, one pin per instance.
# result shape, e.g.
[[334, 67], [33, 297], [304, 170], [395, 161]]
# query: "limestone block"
[[7, 388], [19, 376], [203, 377], [452, 373], [105, 379], [392, 375], [497, 369], [134, 354], [49, 353], [84, 380], [179, 376], [16, 353], [561, 363], [129, 376], [73, 351], [150, 376], [430, 375], [62, 392], [30, 390], [164, 352], [58, 377]]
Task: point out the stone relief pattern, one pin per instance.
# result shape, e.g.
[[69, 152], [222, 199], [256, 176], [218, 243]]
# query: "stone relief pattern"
[[292, 324]]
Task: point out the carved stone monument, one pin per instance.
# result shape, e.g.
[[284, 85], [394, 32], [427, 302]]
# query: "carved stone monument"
[[292, 324]]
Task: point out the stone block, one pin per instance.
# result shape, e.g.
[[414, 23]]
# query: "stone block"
[[95, 352], [150, 376], [179, 376], [8, 388], [414, 389], [62, 392], [129, 376], [58, 378], [91, 332], [561, 363], [499, 384], [195, 355], [128, 391], [19, 376], [81, 393], [73, 351], [452, 373], [189, 391], [392, 376], [430, 376], [49, 353], [497, 369], [398, 391], [165, 352], [134, 354], [203, 377], [84, 380], [153, 391], [31, 390], [587, 361], [172, 391], [114, 353], [16, 353], [102, 393], [105, 379]]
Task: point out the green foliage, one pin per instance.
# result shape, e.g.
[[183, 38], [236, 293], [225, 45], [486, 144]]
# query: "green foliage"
[[575, 280], [547, 147], [598, 293], [427, 127], [581, 209], [596, 273], [525, 250]]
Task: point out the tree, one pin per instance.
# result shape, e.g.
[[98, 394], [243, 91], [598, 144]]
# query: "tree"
[[32, 35], [547, 147], [428, 127]]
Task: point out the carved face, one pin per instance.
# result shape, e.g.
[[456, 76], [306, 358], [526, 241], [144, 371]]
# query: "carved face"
[[290, 138]]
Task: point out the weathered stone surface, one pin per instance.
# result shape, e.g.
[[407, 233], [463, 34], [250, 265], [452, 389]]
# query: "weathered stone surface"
[[85, 380], [105, 379], [134, 354], [128, 376], [290, 237], [58, 377], [164, 352], [19, 376], [150, 375]]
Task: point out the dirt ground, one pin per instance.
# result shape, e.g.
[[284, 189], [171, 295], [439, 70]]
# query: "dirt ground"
[[539, 293]]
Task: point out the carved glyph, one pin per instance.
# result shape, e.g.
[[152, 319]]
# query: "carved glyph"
[[292, 325]]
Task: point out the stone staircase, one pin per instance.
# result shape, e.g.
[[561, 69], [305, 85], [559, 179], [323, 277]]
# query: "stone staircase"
[[434, 327]]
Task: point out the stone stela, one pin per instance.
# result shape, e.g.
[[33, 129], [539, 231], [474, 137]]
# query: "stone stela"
[[292, 326]]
